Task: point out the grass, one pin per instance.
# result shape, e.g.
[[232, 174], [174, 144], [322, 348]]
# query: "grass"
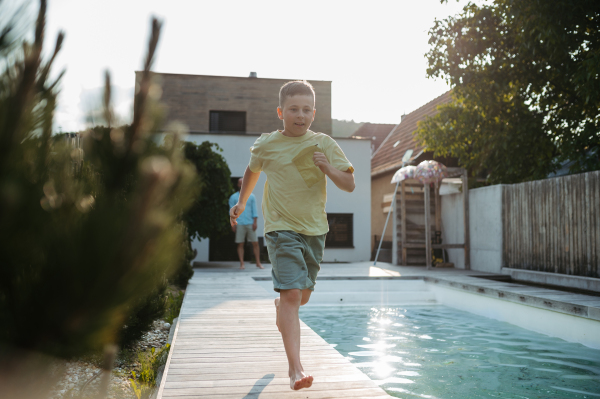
[[144, 382], [174, 301]]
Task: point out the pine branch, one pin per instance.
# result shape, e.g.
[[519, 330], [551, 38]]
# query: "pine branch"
[[144, 87], [25, 89]]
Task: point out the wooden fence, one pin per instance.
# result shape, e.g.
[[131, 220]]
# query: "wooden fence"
[[553, 225]]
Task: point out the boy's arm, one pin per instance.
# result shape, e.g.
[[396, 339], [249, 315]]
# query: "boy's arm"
[[248, 183], [343, 180]]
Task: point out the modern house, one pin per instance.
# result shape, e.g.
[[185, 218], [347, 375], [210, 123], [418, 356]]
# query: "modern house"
[[232, 105], [233, 112], [386, 160]]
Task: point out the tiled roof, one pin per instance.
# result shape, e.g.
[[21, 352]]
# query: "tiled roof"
[[389, 156], [377, 130]]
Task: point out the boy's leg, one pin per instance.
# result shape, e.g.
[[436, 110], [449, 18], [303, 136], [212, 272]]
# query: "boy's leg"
[[305, 297], [289, 324], [240, 251]]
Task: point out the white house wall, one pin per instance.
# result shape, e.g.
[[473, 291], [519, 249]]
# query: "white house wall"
[[358, 202], [236, 151]]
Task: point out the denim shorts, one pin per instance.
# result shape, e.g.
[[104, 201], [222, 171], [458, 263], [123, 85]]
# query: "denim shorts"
[[295, 259]]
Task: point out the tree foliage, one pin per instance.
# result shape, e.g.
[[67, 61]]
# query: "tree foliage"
[[209, 214], [85, 234], [526, 87]]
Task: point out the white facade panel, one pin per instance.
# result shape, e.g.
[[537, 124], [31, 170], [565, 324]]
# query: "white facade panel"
[[485, 224]]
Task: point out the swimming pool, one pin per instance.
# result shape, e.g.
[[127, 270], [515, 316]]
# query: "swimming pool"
[[433, 351]]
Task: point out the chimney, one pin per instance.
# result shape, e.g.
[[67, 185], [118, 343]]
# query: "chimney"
[[402, 117], [252, 75]]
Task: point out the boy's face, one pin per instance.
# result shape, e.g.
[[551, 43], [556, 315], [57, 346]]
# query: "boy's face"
[[297, 114]]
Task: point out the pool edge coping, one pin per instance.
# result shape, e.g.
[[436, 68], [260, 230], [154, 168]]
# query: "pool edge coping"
[[570, 308]]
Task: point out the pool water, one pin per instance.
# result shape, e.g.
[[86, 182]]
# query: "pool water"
[[440, 352]]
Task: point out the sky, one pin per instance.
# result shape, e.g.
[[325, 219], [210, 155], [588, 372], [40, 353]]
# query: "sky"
[[372, 51]]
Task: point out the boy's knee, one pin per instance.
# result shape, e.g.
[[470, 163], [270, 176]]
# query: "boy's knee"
[[305, 297], [292, 296]]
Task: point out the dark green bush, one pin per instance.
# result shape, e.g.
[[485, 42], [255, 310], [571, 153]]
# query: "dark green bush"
[[209, 214], [184, 271], [174, 303], [142, 314]]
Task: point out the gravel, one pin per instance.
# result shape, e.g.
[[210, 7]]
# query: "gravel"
[[80, 379]]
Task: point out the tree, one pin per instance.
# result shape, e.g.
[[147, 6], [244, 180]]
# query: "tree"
[[208, 216], [526, 87], [84, 235]]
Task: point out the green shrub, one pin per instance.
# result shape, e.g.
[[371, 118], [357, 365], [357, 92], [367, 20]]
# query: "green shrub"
[[142, 315], [174, 303], [184, 272], [208, 217], [150, 360], [144, 381], [140, 390], [83, 234], [209, 214]]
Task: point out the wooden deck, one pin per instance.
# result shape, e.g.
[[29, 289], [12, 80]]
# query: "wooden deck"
[[226, 345]]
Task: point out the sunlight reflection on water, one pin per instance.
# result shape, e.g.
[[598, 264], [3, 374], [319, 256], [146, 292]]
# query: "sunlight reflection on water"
[[437, 352]]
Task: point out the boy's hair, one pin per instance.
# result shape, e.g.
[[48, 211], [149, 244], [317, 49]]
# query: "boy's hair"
[[294, 88]]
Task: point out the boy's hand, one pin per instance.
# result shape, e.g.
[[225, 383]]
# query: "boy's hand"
[[342, 180], [321, 161], [235, 213]]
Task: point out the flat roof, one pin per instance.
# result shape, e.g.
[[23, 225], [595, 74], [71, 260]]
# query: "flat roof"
[[236, 77]]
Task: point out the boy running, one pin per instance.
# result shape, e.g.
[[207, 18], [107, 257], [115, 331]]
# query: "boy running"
[[296, 161]]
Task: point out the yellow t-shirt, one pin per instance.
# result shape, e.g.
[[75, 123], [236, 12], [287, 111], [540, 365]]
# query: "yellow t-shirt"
[[295, 192]]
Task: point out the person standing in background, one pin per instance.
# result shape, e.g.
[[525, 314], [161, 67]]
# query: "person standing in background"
[[246, 227]]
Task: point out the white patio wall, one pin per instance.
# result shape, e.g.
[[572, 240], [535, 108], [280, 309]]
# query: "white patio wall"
[[485, 223], [236, 151]]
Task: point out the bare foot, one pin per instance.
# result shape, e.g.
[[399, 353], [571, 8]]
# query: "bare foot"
[[303, 381], [277, 313], [259, 265], [242, 266]]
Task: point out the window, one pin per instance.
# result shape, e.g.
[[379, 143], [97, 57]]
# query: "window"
[[341, 229], [227, 121]]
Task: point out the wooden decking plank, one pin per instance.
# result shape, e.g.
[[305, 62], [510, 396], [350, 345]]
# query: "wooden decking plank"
[[239, 350], [220, 380], [218, 375], [235, 345], [259, 367], [270, 388], [224, 353], [225, 356], [289, 394]]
